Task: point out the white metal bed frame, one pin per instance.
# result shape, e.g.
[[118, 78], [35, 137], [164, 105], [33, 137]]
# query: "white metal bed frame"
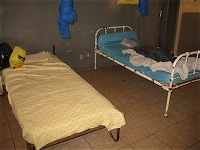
[[168, 87]]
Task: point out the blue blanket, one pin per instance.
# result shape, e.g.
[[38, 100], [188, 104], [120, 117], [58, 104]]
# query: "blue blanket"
[[67, 16]]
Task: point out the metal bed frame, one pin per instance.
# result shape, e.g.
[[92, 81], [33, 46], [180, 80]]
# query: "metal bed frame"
[[32, 147], [168, 87]]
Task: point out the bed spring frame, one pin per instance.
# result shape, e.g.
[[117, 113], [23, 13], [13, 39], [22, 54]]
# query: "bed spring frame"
[[32, 147], [168, 87]]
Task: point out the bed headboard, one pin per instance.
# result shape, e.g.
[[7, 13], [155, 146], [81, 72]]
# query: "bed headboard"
[[113, 29]]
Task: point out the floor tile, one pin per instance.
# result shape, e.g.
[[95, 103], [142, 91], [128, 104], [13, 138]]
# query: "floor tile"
[[133, 132], [95, 77], [196, 146], [3, 117], [49, 148], [150, 143], [187, 106], [117, 76], [154, 101], [20, 143], [174, 98], [15, 128], [154, 122], [194, 87], [157, 89], [136, 109], [191, 126], [195, 98], [4, 132], [132, 83], [119, 98], [176, 138], [80, 143], [7, 145], [1, 102], [10, 116], [188, 90], [126, 116], [6, 103], [109, 88], [116, 73], [127, 148], [102, 140], [138, 92], [175, 115]]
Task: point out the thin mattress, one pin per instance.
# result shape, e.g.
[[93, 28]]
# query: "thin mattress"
[[51, 101], [114, 50]]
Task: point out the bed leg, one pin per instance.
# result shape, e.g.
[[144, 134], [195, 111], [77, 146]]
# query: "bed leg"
[[167, 104], [30, 146], [95, 60], [117, 138]]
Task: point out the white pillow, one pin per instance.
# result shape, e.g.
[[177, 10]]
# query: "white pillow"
[[129, 43], [38, 57]]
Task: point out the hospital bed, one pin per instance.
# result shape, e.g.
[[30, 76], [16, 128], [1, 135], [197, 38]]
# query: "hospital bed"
[[185, 68]]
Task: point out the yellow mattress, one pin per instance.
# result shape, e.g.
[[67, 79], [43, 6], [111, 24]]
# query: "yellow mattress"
[[51, 101]]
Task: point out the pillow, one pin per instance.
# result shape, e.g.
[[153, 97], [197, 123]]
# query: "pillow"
[[38, 57], [116, 37], [17, 57], [129, 43]]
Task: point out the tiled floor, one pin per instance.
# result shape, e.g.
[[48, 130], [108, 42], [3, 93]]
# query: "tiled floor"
[[142, 103]]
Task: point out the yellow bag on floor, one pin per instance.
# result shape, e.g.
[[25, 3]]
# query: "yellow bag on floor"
[[17, 57]]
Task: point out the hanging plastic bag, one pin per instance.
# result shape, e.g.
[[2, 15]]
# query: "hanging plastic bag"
[[17, 57]]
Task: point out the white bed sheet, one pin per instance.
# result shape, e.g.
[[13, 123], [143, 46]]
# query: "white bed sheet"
[[51, 101], [182, 68]]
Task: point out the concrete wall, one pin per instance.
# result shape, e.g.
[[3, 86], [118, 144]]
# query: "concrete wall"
[[189, 33], [1, 20], [33, 25], [149, 26]]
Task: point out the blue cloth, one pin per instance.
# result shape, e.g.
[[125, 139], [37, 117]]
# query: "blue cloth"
[[67, 16], [143, 7]]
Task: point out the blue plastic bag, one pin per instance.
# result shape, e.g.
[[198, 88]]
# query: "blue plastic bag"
[[144, 8], [67, 16]]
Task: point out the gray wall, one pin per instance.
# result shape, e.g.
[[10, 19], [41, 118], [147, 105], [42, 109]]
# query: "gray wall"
[[1, 20], [189, 33], [149, 26], [33, 25]]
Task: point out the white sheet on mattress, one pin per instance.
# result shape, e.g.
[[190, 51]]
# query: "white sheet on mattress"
[[181, 68], [50, 102], [38, 57]]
